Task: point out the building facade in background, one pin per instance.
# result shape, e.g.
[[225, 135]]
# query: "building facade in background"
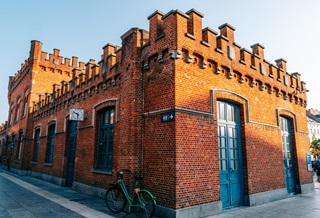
[[209, 124], [313, 116], [3, 146]]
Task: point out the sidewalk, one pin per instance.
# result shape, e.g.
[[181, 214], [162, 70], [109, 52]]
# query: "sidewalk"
[[300, 206], [25, 196]]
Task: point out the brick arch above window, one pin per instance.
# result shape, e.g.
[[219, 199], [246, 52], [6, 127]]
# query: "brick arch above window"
[[38, 127], [225, 95], [18, 99], [54, 121], [21, 131], [281, 112], [112, 102], [26, 91], [50, 123], [12, 105]]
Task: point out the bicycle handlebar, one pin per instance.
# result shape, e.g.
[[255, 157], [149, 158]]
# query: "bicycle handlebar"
[[120, 172], [124, 170]]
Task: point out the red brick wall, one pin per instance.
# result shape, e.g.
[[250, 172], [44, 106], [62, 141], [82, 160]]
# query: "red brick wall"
[[159, 160], [196, 160]]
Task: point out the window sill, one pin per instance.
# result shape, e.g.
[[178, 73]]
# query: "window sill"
[[242, 62], [159, 37], [34, 163], [190, 36], [101, 171], [48, 164], [253, 67], [219, 50]]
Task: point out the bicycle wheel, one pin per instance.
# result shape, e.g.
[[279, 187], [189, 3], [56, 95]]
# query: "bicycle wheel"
[[145, 205], [115, 199]]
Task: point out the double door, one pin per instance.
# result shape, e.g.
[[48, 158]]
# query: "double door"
[[288, 155], [230, 157]]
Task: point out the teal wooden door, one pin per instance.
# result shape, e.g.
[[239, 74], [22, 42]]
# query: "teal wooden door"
[[230, 157], [288, 155]]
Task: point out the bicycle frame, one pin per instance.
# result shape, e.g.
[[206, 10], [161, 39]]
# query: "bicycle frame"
[[129, 198]]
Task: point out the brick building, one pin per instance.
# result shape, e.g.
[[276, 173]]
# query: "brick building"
[[209, 124]]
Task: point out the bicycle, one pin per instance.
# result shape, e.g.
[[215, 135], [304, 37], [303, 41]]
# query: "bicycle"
[[142, 201]]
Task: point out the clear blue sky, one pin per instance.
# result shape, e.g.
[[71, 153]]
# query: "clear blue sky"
[[288, 29]]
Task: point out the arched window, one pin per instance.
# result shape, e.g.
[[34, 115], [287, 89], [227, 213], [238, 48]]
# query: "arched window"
[[17, 113], [25, 104], [50, 143], [36, 145], [11, 117], [18, 154], [105, 138]]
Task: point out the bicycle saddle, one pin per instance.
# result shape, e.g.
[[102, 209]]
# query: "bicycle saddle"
[[138, 178]]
